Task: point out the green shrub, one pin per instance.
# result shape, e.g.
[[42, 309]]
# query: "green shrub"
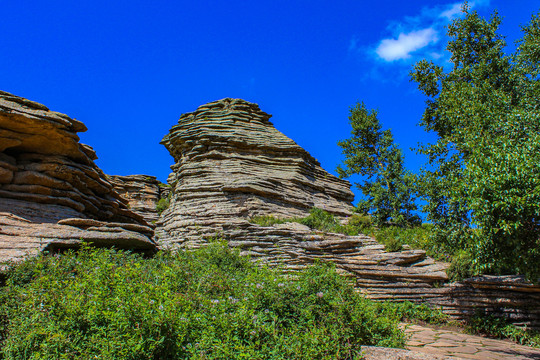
[[162, 205], [320, 220], [205, 304], [408, 311], [360, 222], [393, 244], [267, 220], [461, 266]]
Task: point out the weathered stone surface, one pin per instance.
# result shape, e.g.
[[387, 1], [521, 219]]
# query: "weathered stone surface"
[[510, 297], [142, 193], [46, 175], [20, 238], [231, 164], [382, 353]]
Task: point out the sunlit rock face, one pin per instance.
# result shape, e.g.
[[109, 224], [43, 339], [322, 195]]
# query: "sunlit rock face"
[[232, 164], [46, 177], [142, 193]]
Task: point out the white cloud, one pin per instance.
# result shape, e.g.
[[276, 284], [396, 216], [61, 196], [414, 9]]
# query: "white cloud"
[[406, 43], [450, 13], [416, 37]]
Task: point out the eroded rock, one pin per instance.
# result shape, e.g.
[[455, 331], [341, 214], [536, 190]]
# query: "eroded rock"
[[47, 176], [232, 164], [142, 193]]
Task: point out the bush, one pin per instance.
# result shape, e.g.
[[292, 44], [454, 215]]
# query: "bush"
[[408, 311], [461, 266], [317, 219], [210, 303], [320, 220], [267, 220], [162, 205], [360, 222]]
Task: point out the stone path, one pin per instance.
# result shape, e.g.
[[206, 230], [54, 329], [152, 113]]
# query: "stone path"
[[449, 344]]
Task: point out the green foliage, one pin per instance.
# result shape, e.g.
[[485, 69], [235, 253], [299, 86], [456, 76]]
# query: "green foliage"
[[321, 220], [461, 266], [360, 222], [393, 244], [408, 311], [482, 184], [205, 304], [417, 237], [500, 328], [267, 220], [162, 205], [317, 219], [371, 152]]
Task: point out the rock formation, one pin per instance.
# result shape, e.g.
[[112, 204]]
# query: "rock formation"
[[52, 195], [142, 193], [232, 164]]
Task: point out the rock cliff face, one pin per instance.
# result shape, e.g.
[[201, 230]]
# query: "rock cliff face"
[[232, 164], [48, 177], [142, 193]]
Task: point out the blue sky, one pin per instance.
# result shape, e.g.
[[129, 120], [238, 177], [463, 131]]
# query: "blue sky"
[[129, 69]]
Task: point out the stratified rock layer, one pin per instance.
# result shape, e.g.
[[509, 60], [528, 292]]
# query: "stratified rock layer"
[[142, 193], [232, 164], [47, 176]]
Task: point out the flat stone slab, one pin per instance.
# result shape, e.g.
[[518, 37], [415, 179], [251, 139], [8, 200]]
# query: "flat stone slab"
[[447, 344]]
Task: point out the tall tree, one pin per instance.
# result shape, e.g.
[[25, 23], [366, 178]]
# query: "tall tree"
[[371, 152], [482, 183]]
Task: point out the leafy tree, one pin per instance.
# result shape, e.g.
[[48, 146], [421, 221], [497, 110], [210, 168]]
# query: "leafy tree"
[[482, 182], [371, 152]]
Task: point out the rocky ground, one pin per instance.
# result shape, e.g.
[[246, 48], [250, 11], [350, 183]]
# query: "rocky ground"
[[451, 344]]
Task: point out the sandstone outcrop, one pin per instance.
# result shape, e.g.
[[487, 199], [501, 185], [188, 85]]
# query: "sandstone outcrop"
[[232, 164], [142, 193], [46, 177]]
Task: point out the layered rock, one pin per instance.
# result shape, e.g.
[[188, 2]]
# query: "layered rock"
[[142, 193], [232, 164], [47, 176], [410, 275]]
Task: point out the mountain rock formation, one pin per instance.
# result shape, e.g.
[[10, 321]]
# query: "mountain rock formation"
[[52, 194], [142, 193], [231, 164]]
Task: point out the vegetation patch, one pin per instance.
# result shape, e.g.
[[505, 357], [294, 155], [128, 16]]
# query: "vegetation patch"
[[210, 303], [162, 205], [268, 220]]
